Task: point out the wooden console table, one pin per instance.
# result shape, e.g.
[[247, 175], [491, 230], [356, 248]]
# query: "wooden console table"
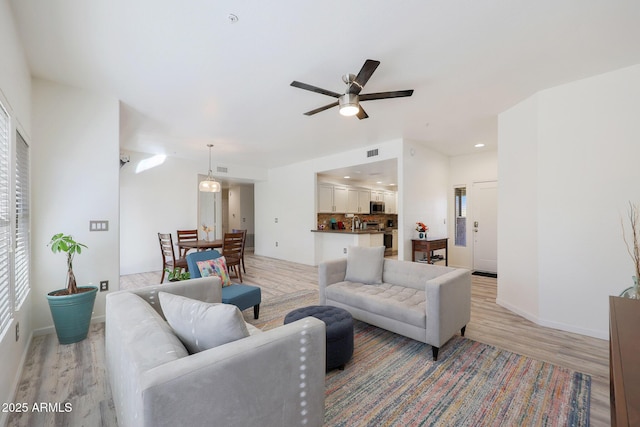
[[624, 361], [428, 246]]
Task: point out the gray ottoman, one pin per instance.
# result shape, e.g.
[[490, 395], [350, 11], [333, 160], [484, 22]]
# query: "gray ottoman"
[[339, 331]]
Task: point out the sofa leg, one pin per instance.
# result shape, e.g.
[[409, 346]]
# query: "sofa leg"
[[464, 328], [256, 311], [434, 350]]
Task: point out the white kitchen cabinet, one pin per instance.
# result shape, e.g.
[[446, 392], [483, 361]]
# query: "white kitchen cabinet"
[[377, 196], [340, 199], [332, 198], [325, 198], [358, 201], [390, 202]]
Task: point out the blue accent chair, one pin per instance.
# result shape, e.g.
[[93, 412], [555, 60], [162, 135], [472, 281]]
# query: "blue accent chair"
[[241, 295]]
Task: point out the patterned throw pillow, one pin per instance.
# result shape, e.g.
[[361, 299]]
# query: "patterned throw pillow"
[[215, 267]]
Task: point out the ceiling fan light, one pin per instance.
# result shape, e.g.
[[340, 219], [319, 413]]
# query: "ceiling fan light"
[[349, 104]]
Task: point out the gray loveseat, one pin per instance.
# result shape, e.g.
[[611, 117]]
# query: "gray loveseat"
[[427, 303], [272, 378]]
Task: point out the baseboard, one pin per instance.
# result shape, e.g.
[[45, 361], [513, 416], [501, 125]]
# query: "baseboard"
[[603, 335], [51, 329]]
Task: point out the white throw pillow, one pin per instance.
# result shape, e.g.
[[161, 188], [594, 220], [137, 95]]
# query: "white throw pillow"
[[201, 325], [364, 265]]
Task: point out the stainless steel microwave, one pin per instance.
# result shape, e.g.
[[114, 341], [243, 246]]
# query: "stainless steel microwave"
[[377, 207]]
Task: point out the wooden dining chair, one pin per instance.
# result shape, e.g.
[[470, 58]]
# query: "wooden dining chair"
[[186, 236], [232, 252], [244, 241], [169, 259]]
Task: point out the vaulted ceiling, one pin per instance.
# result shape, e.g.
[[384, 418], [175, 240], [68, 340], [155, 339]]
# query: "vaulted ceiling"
[[187, 74]]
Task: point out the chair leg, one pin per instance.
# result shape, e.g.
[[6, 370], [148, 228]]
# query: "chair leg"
[[238, 271], [464, 328], [243, 267], [162, 278], [256, 311]]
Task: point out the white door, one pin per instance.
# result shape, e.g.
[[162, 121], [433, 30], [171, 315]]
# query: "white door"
[[485, 226]]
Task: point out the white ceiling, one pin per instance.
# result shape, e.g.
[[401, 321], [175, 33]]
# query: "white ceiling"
[[187, 76]]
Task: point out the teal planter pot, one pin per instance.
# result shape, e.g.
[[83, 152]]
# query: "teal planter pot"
[[72, 314]]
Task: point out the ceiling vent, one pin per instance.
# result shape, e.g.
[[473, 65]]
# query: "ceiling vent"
[[372, 153], [222, 169]]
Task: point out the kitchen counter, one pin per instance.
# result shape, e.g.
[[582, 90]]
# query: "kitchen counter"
[[333, 244], [348, 231]]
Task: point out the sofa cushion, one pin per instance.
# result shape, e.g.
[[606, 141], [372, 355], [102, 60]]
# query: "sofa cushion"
[[200, 325], [364, 264], [149, 337], [215, 267], [411, 274], [396, 302]]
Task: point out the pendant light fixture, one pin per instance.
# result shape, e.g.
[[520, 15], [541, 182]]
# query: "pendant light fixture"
[[210, 185]]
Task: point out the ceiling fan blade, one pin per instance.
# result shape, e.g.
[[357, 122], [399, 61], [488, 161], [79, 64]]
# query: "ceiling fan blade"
[[361, 113], [363, 76], [317, 110], [316, 89], [384, 95]]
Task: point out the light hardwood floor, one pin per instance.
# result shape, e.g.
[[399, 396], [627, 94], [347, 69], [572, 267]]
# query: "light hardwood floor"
[[75, 373]]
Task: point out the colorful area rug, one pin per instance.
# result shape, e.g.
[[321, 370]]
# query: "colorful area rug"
[[393, 381]]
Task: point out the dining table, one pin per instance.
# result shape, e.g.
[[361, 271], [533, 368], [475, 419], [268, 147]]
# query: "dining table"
[[200, 245]]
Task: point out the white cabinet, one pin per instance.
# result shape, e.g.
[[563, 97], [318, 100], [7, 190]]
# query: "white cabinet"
[[358, 201], [325, 198], [343, 199], [377, 196], [390, 202], [332, 198], [340, 198]]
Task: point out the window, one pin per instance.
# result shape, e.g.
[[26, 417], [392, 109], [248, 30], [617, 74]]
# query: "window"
[[21, 260], [460, 196], [6, 311]]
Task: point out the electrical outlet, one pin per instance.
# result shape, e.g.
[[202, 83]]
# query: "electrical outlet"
[[17, 331], [104, 285], [276, 220], [276, 244], [344, 250]]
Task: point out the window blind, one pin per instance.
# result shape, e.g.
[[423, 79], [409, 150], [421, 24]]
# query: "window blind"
[[5, 225], [21, 256]]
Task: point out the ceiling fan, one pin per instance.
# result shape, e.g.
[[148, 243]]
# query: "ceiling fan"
[[349, 101]]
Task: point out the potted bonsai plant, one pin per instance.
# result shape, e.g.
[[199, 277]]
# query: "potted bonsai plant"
[[71, 307]]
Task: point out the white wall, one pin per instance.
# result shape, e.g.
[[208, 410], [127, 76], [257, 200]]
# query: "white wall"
[[423, 194], [464, 172], [162, 199], [15, 95], [74, 180], [570, 154]]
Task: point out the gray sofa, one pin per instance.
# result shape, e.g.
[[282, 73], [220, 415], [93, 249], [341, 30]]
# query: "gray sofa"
[[427, 303], [272, 378]]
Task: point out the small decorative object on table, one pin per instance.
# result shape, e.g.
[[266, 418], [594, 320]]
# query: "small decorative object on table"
[[633, 247], [207, 230], [422, 229]]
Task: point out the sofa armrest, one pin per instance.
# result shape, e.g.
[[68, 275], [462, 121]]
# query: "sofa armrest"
[[275, 378], [448, 305], [330, 272], [207, 289]]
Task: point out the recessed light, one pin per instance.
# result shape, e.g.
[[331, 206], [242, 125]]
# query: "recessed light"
[[480, 145], [347, 177], [378, 182]]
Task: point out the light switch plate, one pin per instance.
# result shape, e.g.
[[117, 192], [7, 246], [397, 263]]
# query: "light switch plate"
[[99, 225]]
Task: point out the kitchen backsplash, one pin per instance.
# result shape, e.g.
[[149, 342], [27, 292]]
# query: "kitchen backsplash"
[[325, 219]]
